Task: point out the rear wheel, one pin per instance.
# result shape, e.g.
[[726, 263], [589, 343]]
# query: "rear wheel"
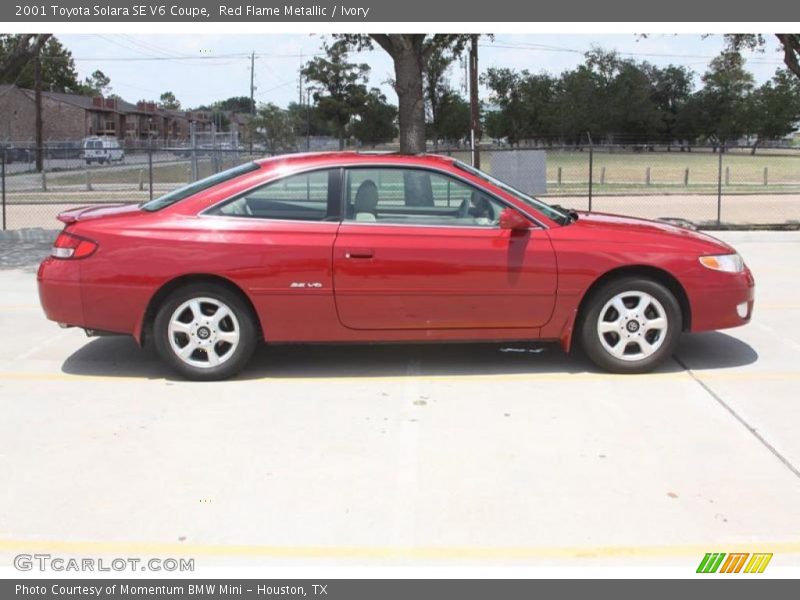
[[205, 332], [630, 325]]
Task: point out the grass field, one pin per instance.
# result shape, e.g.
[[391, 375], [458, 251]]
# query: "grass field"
[[567, 173], [173, 173], [621, 173]]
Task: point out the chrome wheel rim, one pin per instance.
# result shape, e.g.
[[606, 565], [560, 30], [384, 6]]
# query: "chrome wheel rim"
[[203, 332], [632, 326]]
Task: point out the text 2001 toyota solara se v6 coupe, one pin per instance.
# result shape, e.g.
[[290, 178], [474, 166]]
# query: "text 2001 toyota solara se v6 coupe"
[[348, 247]]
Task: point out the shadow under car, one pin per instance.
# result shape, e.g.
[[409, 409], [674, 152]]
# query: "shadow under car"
[[119, 356]]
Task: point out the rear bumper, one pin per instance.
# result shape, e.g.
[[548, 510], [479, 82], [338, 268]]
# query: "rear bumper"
[[60, 291], [722, 301]]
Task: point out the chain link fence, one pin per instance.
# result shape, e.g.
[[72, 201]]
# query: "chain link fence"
[[708, 188]]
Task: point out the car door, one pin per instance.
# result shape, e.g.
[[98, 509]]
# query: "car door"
[[421, 249], [278, 241]]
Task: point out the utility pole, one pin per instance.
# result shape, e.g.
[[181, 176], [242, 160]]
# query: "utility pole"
[[37, 89], [475, 120], [300, 81], [252, 97]]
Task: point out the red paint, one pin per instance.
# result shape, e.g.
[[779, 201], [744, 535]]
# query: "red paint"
[[377, 282]]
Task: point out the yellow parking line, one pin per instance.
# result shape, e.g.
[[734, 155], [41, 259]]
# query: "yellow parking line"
[[389, 552]]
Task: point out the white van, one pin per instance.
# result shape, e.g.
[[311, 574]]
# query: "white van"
[[102, 150]]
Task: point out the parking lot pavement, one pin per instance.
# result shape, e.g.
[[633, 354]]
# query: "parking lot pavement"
[[407, 454]]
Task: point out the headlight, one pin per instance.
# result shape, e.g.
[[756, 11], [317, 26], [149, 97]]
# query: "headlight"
[[730, 263]]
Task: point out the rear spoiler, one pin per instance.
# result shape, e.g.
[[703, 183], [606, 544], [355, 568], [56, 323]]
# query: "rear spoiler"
[[74, 214]]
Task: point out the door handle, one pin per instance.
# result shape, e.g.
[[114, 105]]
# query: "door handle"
[[362, 253]]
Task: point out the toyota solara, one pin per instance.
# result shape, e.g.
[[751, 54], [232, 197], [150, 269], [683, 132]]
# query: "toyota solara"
[[360, 248]]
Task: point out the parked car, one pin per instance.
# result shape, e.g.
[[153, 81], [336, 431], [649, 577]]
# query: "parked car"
[[102, 150], [14, 153], [63, 149], [348, 247]]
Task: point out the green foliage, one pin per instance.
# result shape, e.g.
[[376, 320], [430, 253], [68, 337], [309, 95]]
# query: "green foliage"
[[58, 66], [609, 99], [340, 86], [724, 102], [169, 101], [375, 121], [454, 118], [776, 106], [97, 84], [307, 119], [273, 126], [239, 104]]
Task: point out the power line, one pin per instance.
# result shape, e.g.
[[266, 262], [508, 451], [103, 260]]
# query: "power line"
[[184, 57], [547, 48]]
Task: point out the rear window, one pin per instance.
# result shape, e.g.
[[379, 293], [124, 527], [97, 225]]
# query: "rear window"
[[198, 186]]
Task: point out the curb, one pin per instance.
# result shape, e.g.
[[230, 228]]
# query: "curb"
[[29, 234]]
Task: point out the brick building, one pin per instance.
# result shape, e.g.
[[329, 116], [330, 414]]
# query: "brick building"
[[74, 117]]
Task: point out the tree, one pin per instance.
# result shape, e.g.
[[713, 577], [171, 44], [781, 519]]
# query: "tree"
[[436, 88], [307, 120], [342, 92], [240, 104], [776, 108], [506, 93], [375, 122], [97, 84], [410, 52], [454, 118], [169, 101], [790, 45], [57, 65], [671, 90], [273, 125], [17, 52], [633, 115], [725, 106], [578, 109]]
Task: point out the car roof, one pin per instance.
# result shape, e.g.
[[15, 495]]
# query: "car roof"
[[352, 157]]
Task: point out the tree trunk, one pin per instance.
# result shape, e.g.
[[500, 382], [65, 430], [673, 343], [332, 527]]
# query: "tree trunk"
[[408, 84], [791, 51]]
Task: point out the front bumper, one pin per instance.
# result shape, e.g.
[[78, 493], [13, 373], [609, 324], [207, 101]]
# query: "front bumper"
[[723, 300]]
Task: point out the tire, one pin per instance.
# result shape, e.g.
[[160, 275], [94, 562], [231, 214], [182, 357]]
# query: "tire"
[[198, 341], [630, 325]]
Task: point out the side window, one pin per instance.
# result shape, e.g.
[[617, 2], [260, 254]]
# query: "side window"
[[302, 197], [416, 197]]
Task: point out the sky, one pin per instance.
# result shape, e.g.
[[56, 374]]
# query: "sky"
[[200, 69]]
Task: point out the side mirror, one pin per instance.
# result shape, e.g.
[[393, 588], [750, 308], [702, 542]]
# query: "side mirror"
[[513, 220]]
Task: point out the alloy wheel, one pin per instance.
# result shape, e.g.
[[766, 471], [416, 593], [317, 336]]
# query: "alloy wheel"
[[632, 325], [203, 332]]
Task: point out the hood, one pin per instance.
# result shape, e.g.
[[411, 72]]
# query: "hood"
[[632, 230], [96, 211]]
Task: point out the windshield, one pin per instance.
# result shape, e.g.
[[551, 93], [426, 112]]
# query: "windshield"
[[560, 216], [198, 186]]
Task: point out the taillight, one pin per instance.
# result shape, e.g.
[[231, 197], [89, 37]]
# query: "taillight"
[[68, 245]]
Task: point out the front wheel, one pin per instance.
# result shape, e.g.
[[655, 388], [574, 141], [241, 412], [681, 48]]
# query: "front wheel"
[[630, 325], [205, 332]]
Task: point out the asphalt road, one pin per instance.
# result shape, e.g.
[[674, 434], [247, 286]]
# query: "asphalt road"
[[415, 454]]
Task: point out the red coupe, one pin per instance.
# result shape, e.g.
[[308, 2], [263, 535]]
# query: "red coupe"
[[349, 247]]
